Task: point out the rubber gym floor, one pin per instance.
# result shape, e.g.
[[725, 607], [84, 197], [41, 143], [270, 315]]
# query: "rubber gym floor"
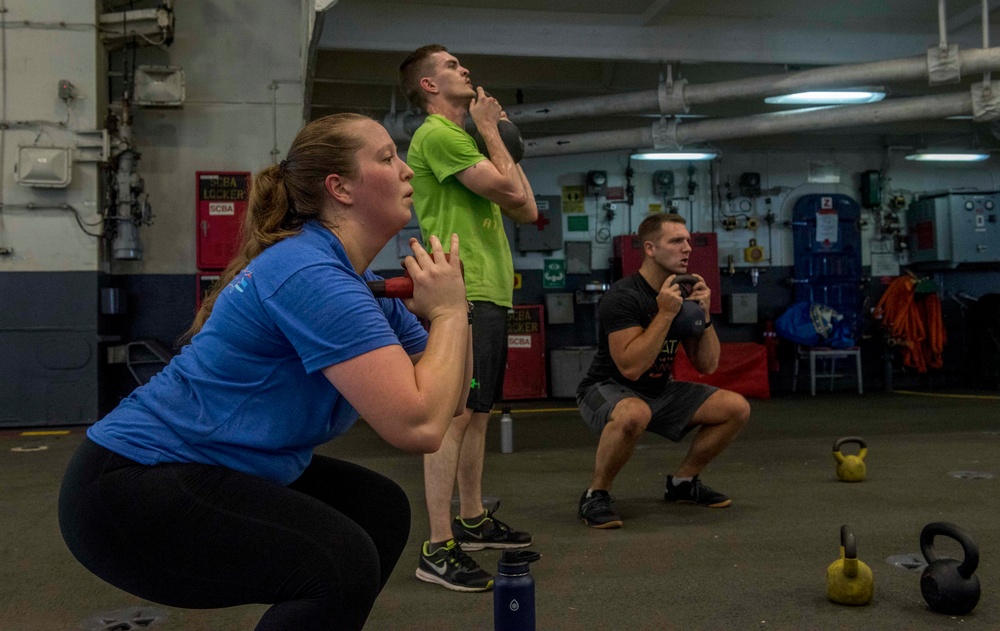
[[759, 564]]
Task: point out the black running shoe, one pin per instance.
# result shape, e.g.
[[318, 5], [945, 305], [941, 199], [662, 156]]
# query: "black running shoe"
[[598, 510], [694, 492], [488, 532], [449, 567]]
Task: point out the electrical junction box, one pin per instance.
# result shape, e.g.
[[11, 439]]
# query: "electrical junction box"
[[952, 228], [559, 307], [743, 308], [597, 182], [750, 184], [568, 367], [871, 189], [663, 183]]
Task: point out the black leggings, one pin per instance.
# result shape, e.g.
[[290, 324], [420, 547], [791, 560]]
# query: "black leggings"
[[197, 536]]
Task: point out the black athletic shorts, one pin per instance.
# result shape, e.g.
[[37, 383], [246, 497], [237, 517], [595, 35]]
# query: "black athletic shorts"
[[489, 355], [672, 411]]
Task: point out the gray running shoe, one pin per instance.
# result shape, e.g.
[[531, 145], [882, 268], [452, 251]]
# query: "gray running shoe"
[[451, 568]]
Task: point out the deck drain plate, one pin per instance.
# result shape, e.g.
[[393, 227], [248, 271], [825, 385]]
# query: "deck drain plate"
[[130, 619], [912, 562], [972, 475]]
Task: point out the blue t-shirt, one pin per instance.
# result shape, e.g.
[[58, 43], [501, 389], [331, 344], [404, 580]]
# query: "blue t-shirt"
[[248, 392]]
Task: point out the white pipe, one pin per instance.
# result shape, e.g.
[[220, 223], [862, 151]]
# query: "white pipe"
[[942, 26], [915, 108]]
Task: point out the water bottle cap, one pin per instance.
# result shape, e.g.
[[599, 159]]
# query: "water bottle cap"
[[516, 561]]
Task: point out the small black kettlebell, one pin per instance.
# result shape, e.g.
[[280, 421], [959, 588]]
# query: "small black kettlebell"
[[949, 586], [689, 322], [509, 134]]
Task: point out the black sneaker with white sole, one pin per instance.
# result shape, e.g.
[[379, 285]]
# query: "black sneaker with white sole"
[[694, 492], [487, 531], [449, 567], [598, 510]]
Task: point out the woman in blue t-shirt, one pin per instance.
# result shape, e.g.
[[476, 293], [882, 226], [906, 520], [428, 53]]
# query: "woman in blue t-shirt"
[[201, 489]]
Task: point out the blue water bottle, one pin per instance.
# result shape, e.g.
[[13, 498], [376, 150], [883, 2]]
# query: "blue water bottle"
[[514, 592]]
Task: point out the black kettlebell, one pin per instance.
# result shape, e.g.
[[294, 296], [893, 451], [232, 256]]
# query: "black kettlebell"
[[949, 586], [509, 134], [689, 323]]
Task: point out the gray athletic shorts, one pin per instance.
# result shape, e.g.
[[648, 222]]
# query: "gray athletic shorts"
[[489, 355], [672, 410]]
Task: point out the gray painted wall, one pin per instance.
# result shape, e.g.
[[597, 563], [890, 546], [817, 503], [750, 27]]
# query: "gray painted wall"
[[244, 61]]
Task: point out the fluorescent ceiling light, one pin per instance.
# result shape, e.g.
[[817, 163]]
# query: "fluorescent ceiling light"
[[954, 156], [674, 155], [828, 97], [677, 116]]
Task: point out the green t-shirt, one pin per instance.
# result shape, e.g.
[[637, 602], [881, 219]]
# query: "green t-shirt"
[[438, 151]]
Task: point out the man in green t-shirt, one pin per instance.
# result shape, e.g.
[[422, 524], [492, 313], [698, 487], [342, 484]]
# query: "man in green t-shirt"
[[456, 189]]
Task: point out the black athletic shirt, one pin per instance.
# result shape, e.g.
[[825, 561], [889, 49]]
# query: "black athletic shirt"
[[630, 302]]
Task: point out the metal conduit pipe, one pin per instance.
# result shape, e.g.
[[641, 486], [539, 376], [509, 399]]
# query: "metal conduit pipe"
[[942, 25], [973, 61], [986, 39], [914, 108]]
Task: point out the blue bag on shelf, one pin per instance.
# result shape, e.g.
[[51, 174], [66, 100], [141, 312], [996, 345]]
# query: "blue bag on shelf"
[[814, 324]]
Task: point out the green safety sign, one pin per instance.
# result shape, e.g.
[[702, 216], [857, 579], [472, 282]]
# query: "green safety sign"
[[554, 274]]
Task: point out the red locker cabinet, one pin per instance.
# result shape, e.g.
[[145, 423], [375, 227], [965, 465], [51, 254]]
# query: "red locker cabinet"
[[704, 260], [525, 377], [206, 283], [222, 203]]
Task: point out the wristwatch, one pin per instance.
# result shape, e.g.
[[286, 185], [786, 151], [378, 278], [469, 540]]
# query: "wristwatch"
[[708, 325]]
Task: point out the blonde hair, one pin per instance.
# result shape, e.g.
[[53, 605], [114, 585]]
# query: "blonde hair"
[[283, 197]]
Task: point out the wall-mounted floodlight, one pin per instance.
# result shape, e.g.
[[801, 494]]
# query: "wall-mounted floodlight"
[[159, 86], [948, 156], [674, 155], [44, 167], [828, 97]]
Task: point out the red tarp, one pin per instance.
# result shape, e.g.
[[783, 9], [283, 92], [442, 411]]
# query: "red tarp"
[[742, 369]]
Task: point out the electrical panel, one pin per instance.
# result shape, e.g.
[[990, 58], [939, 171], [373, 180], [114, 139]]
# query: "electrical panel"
[[871, 189], [750, 184], [953, 228]]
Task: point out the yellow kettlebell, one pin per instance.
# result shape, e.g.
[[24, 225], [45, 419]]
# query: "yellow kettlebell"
[[848, 580], [850, 468]]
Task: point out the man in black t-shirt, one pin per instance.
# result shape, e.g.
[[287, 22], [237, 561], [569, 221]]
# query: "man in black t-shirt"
[[629, 390]]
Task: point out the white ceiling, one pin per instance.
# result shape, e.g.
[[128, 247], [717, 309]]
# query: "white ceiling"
[[548, 51]]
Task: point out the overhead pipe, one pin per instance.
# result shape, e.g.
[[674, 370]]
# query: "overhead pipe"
[[877, 72], [668, 134], [676, 99]]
